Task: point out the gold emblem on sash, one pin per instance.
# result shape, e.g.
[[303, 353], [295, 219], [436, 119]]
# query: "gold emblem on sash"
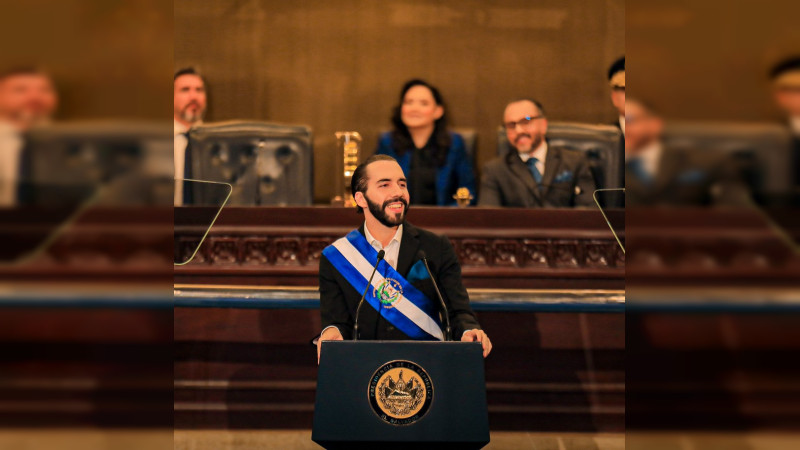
[[389, 292]]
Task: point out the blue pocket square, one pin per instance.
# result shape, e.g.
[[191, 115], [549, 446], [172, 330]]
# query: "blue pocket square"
[[417, 272], [563, 177]]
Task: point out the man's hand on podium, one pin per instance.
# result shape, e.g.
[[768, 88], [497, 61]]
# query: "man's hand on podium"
[[479, 336], [330, 334]]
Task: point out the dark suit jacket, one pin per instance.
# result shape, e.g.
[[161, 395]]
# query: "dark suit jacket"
[[339, 300], [566, 182], [796, 162], [700, 177], [621, 153]]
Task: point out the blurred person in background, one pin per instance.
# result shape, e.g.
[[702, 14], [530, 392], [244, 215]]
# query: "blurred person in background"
[[535, 174], [785, 78], [616, 81], [189, 108], [655, 175], [434, 159], [28, 98]]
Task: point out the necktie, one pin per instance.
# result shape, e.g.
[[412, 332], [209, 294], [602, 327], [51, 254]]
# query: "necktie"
[[25, 185], [534, 170], [187, 172], [635, 166]]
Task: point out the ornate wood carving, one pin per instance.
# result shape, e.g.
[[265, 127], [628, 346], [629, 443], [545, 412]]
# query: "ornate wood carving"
[[283, 246], [498, 248]]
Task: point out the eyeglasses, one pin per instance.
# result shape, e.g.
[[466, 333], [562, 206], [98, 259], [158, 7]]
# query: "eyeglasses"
[[524, 122]]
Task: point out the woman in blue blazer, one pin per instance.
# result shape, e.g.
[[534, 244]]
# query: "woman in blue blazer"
[[433, 159]]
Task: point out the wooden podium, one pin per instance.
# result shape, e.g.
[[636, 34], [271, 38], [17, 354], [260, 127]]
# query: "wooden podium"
[[401, 394]]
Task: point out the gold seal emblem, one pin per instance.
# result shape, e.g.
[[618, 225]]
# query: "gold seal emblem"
[[400, 392], [388, 292]]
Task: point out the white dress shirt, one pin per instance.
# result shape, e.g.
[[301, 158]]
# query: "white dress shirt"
[[392, 251], [181, 142], [795, 125], [10, 155], [622, 124], [540, 154]]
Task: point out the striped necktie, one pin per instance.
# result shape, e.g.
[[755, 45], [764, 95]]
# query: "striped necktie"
[[534, 170]]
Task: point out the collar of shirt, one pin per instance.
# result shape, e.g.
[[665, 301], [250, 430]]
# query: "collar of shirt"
[[178, 128], [540, 153], [392, 250], [622, 124], [10, 152], [7, 128], [794, 122]]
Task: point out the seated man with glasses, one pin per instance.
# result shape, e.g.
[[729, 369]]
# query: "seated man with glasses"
[[536, 175]]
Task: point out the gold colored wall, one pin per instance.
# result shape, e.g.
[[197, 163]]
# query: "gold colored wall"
[[339, 65]]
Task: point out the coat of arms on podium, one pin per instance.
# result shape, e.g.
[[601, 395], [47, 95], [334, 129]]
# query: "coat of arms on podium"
[[400, 392]]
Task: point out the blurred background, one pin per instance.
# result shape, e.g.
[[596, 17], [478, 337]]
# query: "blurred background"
[[688, 341], [709, 61], [340, 66], [545, 277], [712, 293], [85, 265]]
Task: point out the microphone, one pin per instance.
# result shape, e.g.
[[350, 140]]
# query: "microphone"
[[381, 254], [421, 255]]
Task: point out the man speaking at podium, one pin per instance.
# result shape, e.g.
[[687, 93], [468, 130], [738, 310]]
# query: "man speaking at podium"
[[401, 302]]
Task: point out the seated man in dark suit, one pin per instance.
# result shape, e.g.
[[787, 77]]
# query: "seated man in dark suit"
[[616, 81], [785, 78], [189, 106], [657, 176], [27, 99], [535, 175], [401, 303]]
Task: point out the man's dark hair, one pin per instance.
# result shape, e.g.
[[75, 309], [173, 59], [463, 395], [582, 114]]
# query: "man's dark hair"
[[537, 103], [23, 70], [188, 71], [358, 183], [785, 65], [617, 66]]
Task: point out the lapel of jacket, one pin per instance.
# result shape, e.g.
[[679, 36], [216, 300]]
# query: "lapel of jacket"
[[552, 165], [408, 248], [521, 171]]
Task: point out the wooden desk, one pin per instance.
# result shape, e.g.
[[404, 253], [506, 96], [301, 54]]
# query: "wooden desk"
[[497, 248]]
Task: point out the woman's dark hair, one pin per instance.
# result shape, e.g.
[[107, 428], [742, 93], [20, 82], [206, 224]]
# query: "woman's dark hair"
[[401, 138]]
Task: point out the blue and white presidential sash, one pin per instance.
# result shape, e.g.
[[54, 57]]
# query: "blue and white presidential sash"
[[397, 300]]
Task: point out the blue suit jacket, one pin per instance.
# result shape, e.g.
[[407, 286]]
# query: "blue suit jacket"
[[455, 173]]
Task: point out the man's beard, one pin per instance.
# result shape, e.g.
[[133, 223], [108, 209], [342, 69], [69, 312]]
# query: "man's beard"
[[535, 143], [379, 212], [28, 118], [192, 117]]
